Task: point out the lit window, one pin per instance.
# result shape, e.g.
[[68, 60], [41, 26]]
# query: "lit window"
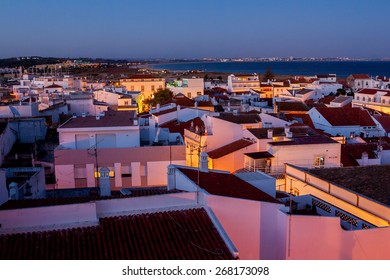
[[319, 161]]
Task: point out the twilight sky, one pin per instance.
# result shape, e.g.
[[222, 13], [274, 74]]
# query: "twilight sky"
[[194, 29]]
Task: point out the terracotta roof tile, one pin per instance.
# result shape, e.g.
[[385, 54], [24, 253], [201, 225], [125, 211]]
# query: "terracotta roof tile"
[[346, 116], [110, 119], [301, 119], [53, 86], [63, 198], [178, 127], [384, 121], [226, 184], [373, 91], [229, 148], [182, 100], [240, 118], [351, 152], [360, 76], [174, 235], [292, 106]]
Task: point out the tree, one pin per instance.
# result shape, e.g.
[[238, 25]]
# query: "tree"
[[268, 75], [159, 97], [341, 91]]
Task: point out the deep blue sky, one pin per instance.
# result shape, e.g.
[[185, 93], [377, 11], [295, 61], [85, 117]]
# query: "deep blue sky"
[[194, 29]]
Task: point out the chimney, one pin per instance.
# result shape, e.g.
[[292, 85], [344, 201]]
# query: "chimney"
[[13, 191], [104, 181], [204, 162], [158, 107], [270, 133], [364, 159], [97, 117], [286, 129], [171, 177]]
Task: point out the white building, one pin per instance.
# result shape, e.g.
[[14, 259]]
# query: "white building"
[[347, 122], [190, 87], [297, 145], [377, 99], [109, 130], [239, 83], [360, 81]]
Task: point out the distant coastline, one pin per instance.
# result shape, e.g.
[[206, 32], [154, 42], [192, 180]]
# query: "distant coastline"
[[299, 68]]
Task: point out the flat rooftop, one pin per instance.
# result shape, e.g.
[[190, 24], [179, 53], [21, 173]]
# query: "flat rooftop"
[[370, 181]]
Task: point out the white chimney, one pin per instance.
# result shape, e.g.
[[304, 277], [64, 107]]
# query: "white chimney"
[[104, 181], [171, 177], [364, 159], [97, 117], [14, 191], [270, 133], [204, 162], [158, 107]]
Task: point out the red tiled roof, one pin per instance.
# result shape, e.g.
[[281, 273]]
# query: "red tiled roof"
[[110, 119], [54, 86], [351, 152], [384, 121], [326, 76], [182, 100], [64, 200], [301, 119], [360, 76], [185, 234], [373, 91], [292, 106], [382, 78], [162, 112], [205, 104], [229, 148], [346, 116], [226, 184], [178, 127], [327, 99], [240, 118]]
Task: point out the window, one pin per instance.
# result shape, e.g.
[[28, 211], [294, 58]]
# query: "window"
[[357, 97], [80, 171], [152, 88], [319, 161], [160, 86], [189, 94], [142, 88], [126, 170], [132, 88], [126, 102]]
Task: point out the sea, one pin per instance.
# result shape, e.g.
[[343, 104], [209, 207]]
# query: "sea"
[[295, 68]]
